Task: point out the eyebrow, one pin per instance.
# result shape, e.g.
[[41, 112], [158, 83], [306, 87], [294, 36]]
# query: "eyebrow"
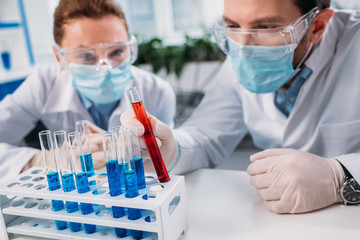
[[271, 19]]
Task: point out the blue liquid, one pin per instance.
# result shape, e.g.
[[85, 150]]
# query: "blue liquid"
[[123, 167], [136, 234], [5, 57], [53, 181], [131, 184], [113, 173], [86, 208], [68, 186], [120, 232], [89, 165], [57, 205], [119, 212], [82, 182], [137, 164], [135, 214]]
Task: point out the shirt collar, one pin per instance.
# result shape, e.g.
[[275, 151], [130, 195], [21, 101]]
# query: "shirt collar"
[[102, 108]]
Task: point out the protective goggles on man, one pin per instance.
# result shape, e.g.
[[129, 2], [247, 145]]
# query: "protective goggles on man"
[[289, 35], [112, 54]]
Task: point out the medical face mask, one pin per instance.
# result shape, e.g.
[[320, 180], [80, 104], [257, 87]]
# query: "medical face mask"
[[262, 59], [101, 84], [263, 69]]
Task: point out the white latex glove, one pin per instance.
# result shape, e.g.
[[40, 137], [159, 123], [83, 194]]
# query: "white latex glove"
[[292, 181], [96, 146], [162, 133]]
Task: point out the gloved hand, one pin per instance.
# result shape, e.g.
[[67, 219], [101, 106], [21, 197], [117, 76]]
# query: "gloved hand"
[[96, 146], [36, 160], [162, 133], [292, 181]]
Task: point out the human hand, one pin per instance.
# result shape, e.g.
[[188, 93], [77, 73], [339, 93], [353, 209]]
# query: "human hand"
[[292, 181], [162, 133], [36, 160]]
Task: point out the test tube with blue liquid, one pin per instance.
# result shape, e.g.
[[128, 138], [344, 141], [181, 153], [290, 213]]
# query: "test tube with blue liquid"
[[51, 173], [67, 174], [122, 164], [113, 173], [132, 189], [82, 181], [136, 160], [88, 165]]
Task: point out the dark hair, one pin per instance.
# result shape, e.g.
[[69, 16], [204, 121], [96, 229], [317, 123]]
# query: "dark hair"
[[306, 5], [68, 10]]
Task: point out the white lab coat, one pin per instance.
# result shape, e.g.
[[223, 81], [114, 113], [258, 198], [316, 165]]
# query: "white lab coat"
[[47, 95], [325, 119]]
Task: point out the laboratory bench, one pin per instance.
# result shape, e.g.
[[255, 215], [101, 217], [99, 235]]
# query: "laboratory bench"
[[221, 204]]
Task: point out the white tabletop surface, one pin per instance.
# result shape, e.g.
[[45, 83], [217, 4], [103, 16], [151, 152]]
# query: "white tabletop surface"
[[223, 204]]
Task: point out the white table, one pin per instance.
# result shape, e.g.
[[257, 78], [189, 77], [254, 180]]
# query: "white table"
[[224, 205]]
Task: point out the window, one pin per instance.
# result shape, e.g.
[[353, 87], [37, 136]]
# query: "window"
[[170, 19]]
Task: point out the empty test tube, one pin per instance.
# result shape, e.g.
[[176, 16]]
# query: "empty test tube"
[[51, 173], [88, 165], [113, 173], [149, 138], [82, 181], [66, 172]]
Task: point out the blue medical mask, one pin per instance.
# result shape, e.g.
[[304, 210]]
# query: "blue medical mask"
[[262, 69], [101, 84]]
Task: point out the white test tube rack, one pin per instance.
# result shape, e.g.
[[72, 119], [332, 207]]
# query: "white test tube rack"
[[26, 209]]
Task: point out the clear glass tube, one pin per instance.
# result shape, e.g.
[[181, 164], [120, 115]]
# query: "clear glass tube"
[[52, 174], [113, 173], [131, 183], [136, 160], [149, 137], [82, 182], [82, 128], [66, 172], [119, 144]]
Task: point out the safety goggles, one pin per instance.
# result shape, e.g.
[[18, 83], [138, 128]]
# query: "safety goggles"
[[289, 35], [112, 54]]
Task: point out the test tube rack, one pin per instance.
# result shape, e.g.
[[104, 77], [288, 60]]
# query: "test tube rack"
[[26, 209]]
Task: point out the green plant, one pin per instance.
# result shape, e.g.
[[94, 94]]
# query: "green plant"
[[173, 58]]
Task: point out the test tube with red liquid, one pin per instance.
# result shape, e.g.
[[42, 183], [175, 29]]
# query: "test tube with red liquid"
[[149, 138]]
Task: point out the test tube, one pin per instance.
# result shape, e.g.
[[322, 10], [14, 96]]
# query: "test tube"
[[122, 164], [66, 172], [88, 165], [130, 180], [52, 174], [149, 138], [136, 159], [113, 173], [82, 181]]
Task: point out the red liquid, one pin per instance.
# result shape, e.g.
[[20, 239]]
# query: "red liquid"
[[150, 142]]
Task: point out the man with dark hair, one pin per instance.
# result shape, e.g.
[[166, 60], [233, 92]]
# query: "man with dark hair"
[[297, 92]]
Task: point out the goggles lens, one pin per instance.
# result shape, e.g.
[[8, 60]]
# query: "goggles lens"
[[113, 54], [289, 35]]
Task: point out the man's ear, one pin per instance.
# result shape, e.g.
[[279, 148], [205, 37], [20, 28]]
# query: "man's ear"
[[319, 23], [56, 55]]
